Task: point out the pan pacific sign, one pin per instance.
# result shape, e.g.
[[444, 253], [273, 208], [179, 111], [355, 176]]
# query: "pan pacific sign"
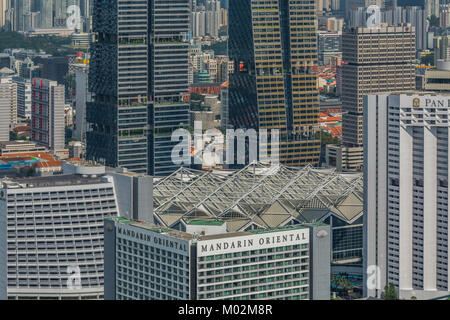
[[252, 242], [430, 102]]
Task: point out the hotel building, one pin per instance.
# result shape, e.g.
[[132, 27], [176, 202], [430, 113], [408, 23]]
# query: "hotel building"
[[149, 262], [406, 175], [51, 229]]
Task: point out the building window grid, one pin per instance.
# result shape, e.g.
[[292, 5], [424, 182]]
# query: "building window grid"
[[228, 288]]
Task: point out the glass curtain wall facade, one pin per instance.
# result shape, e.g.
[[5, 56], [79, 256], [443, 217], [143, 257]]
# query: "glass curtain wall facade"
[[138, 75], [274, 48]]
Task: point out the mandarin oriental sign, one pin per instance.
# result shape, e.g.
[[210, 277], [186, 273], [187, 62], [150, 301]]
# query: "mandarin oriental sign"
[[156, 238], [252, 242]]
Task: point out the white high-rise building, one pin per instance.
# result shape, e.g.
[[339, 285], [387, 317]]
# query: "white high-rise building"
[[406, 148], [51, 235], [432, 8], [206, 263], [198, 24], [8, 106], [51, 229], [23, 98], [3, 8]]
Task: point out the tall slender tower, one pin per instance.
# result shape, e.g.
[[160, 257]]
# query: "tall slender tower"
[[8, 107], [274, 48], [378, 59], [3, 8], [46, 13], [406, 204], [47, 113], [139, 79]]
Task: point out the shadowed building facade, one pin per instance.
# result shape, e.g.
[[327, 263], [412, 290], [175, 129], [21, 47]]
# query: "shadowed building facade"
[[139, 80], [274, 86]]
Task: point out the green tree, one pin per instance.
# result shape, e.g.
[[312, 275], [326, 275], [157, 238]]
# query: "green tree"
[[56, 46], [30, 172], [13, 136], [326, 138], [428, 59], [197, 97], [413, 298], [390, 293], [434, 21], [68, 135]]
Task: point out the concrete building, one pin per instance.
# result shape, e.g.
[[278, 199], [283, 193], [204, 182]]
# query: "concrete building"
[[344, 158], [47, 114], [53, 229], [432, 8], [437, 80], [406, 194], [45, 13], [23, 98], [54, 68], [52, 233], [136, 194], [75, 149], [198, 24], [3, 8], [291, 263], [81, 39], [15, 147], [8, 107], [82, 98], [441, 46], [376, 60]]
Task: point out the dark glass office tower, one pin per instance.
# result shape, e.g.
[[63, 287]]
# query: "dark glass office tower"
[[274, 47], [139, 77]]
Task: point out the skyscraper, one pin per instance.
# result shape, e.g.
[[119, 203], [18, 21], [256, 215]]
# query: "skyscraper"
[[51, 235], [8, 107], [47, 114], [431, 8], [46, 13], [375, 60], [3, 8], [139, 78], [406, 194], [273, 46], [23, 98], [83, 96]]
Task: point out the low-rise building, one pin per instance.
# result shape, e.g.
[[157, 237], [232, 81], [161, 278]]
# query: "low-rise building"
[[20, 146]]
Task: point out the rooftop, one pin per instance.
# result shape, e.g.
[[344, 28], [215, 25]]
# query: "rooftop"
[[153, 228], [257, 196], [50, 181], [16, 143], [206, 223], [187, 236]]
